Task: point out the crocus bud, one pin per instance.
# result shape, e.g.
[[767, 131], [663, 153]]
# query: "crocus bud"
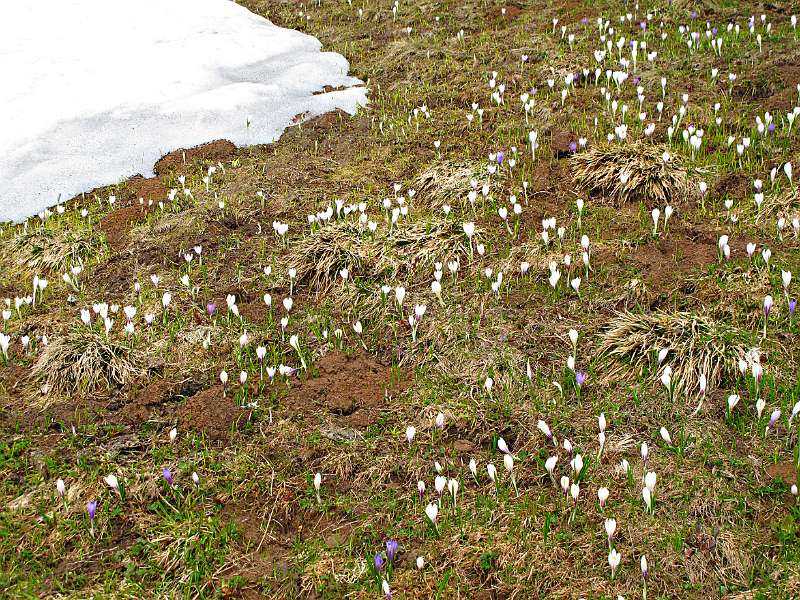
[[432, 511], [545, 429], [611, 527], [650, 480], [665, 436], [391, 549], [502, 446], [112, 482], [776, 414], [647, 497]]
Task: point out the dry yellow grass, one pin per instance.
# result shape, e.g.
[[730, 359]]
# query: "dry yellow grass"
[[631, 171]]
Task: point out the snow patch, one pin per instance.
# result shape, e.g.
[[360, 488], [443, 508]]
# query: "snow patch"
[[94, 91]]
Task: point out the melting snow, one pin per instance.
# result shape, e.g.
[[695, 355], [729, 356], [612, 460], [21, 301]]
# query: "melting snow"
[[94, 91]]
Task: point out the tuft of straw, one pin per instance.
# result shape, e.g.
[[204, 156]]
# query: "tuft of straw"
[[650, 178], [447, 182], [320, 257], [42, 250], [785, 203], [83, 360], [697, 345]]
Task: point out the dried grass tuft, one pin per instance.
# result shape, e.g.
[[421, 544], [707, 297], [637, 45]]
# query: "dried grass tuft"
[[785, 203], [651, 179], [447, 182], [697, 345], [84, 361], [320, 257], [43, 250]]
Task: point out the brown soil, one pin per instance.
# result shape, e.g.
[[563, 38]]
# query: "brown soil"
[[665, 263], [115, 276], [152, 400], [496, 14], [735, 185], [773, 86], [560, 142], [784, 98], [212, 414], [117, 224], [215, 151], [326, 121], [335, 393], [271, 527], [784, 470], [257, 312]]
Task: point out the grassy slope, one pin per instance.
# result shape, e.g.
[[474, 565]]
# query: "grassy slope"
[[722, 524]]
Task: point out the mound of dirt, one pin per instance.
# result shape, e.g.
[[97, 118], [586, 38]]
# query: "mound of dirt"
[[353, 389], [215, 151], [665, 263], [151, 400], [212, 414]]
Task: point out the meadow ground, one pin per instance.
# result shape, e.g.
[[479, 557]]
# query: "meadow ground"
[[151, 353]]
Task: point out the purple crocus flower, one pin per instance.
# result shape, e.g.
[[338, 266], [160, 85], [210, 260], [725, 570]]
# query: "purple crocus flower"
[[771, 127], [500, 156], [573, 147], [643, 25], [792, 306], [168, 476], [379, 562], [580, 378], [714, 31], [585, 21], [776, 414], [694, 14], [91, 508], [211, 307], [391, 549]]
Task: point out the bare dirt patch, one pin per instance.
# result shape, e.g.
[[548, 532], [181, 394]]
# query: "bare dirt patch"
[[561, 143], [785, 97], [352, 389], [256, 311], [212, 414], [783, 470], [664, 263], [500, 15], [153, 400], [215, 151], [118, 223]]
